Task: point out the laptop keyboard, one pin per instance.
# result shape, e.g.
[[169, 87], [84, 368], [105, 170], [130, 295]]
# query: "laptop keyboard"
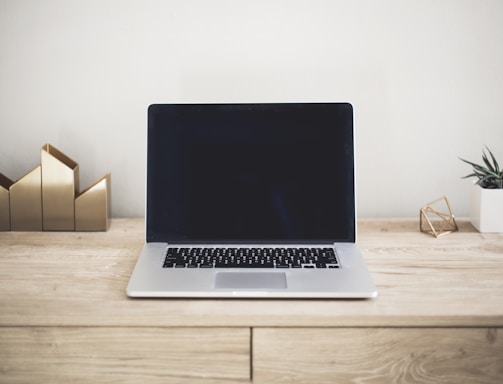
[[186, 257]]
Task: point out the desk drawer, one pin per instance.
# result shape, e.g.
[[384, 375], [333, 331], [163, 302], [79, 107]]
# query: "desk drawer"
[[380, 355], [124, 355]]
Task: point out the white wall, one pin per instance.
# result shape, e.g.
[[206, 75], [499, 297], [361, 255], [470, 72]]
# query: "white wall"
[[425, 78]]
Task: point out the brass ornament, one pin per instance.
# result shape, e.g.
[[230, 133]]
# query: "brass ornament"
[[48, 198], [437, 220]]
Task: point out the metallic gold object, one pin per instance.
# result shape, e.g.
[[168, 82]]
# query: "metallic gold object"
[[93, 208], [5, 184], [435, 222], [26, 202], [60, 185], [47, 198]]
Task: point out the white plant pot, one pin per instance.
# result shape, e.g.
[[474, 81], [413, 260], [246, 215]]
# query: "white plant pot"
[[486, 211]]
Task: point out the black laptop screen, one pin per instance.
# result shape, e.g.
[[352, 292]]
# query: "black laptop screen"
[[250, 173]]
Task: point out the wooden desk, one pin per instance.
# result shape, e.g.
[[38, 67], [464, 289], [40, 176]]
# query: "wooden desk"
[[65, 317]]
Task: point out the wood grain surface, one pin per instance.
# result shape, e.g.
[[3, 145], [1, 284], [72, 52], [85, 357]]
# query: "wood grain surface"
[[378, 355], [65, 316], [455, 280], [124, 355]]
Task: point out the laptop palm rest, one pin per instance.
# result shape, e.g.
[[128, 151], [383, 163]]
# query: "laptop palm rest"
[[250, 280]]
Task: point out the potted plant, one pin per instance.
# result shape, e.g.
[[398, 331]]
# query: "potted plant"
[[486, 211]]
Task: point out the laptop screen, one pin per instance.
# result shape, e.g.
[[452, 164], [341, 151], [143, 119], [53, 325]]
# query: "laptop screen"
[[272, 173]]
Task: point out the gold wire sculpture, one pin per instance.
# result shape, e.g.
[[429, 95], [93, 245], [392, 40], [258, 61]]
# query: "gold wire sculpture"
[[435, 222]]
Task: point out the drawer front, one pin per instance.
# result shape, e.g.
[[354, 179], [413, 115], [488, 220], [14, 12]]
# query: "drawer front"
[[379, 355], [124, 355]]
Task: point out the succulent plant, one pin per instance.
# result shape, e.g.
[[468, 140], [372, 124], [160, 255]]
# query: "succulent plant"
[[489, 175]]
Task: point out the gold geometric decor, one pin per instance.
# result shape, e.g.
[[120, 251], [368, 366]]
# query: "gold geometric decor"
[[60, 185], [435, 221], [93, 208], [26, 202], [48, 198], [5, 184]]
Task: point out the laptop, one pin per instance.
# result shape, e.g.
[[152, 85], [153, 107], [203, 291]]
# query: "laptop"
[[250, 201]]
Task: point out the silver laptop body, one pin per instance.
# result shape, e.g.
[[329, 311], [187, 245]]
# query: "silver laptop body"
[[251, 200]]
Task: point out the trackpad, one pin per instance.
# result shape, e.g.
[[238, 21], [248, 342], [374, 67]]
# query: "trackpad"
[[250, 280]]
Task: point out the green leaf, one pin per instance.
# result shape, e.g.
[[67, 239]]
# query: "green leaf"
[[495, 162], [486, 161], [489, 176]]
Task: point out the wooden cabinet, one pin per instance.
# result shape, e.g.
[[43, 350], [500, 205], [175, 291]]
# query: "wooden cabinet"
[[65, 317], [124, 355], [377, 355]]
